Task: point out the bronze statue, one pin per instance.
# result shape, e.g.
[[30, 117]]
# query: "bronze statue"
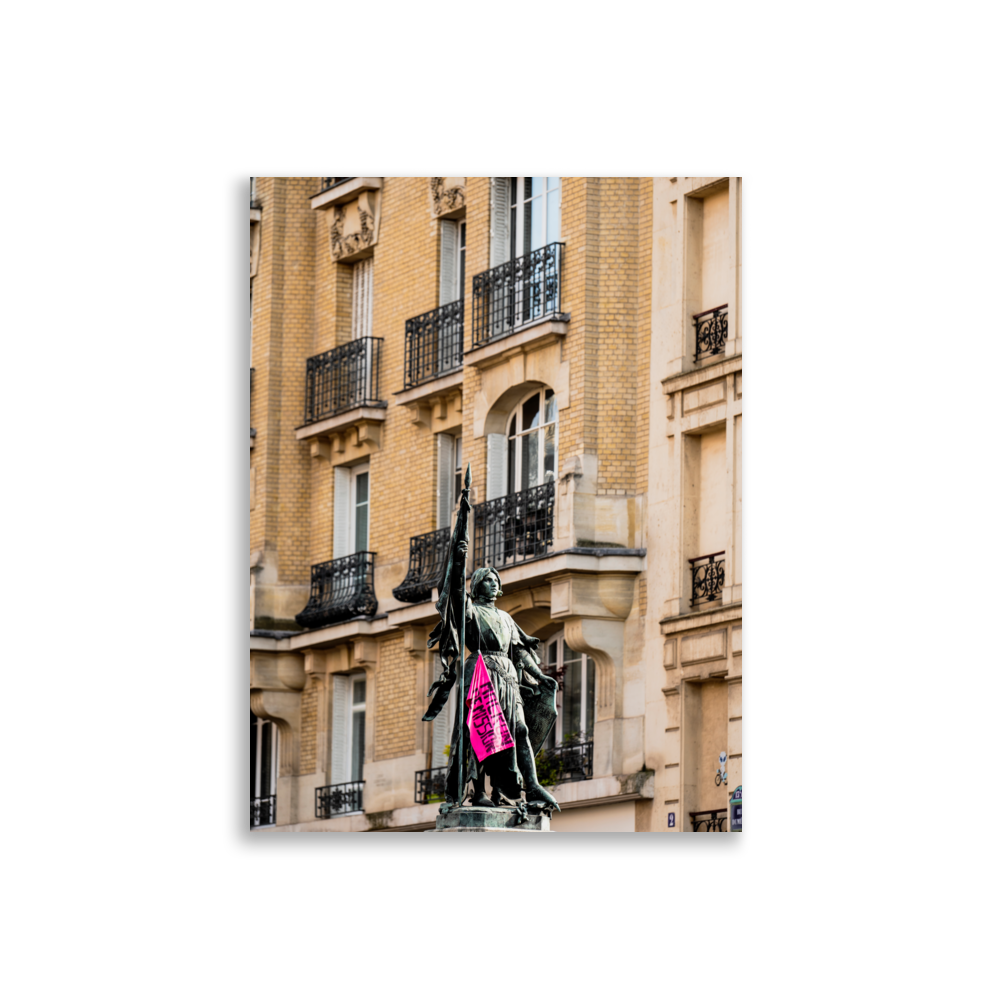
[[525, 693]]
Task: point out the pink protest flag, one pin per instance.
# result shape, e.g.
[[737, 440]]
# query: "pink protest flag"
[[487, 727]]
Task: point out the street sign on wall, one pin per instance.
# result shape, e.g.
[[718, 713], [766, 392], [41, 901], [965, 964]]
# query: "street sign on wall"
[[736, 811]]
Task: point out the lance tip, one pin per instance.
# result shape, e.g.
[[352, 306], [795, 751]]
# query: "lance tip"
[[468, 475]]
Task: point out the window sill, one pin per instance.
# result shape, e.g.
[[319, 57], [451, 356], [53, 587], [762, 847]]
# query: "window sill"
[[545, 331], [347, 191], [443, 385], [254, 215]]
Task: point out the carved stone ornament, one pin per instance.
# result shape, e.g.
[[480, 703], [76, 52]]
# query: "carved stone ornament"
[[354, 226], [254, 247], [448, 194]]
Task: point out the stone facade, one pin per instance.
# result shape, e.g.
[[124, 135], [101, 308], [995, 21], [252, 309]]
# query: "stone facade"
[[648, 473]]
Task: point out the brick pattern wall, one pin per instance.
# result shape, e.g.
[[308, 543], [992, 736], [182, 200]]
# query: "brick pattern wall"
[[310, 706], [395, 712]]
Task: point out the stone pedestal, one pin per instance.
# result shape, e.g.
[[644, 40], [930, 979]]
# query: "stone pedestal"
[[479, 819]]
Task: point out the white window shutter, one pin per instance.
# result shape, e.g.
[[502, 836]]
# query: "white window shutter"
[[341, 512], [440, 732], [341, 730], [499, 217], [496, 466], [445, 478], [361, 304], [449, 247]]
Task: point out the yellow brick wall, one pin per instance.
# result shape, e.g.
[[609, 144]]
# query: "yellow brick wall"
[[395, 712], [302, 307], [310, 706]]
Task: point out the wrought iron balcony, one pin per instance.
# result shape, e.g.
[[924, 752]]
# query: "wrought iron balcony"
[[708, 574], [434, 343], [343, 379], [341, 589], [332, 182], [263, 811], [516, 294], [333, 800], [428, 556], [429, 786], [713, 819], [515, 528], [711, 328], [573, 762]]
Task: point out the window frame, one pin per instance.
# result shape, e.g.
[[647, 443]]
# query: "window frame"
[[515, 441], [588, 694], [362, 709], [356, 472], [517, 215]]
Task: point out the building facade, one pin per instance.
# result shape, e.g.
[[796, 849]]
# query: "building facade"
[[578, 341]]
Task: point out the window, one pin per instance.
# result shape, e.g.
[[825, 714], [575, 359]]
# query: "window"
[[458, 470], [535, 210], [347, 731], [576, 701], [443, 724], [359, 508], [263, 769], [452, 286], [531, 442], [358, 695], [361, 300]]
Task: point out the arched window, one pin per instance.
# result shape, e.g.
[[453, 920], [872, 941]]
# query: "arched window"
[[531, 442], [575, 699]]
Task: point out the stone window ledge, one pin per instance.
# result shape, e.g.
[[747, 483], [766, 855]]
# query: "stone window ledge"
[[445, 385], [603, 791], [545, 331], [341, 423], [254, 215], [717, 368], [581, 560], [347, 191]]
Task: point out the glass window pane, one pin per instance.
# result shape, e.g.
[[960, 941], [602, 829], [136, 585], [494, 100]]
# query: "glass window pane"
[[537, 224], [553, 216], [253, 755], [358, 746], [362, 488], [554, 654], [551, 408], [553, 183], [550, 454], [359, 691], [591, 700], [571, 700], [529, 460], [530, 411], [361, 529], [537, 186], [265, 760]]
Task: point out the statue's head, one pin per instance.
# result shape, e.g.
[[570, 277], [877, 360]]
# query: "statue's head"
[[479, 577]]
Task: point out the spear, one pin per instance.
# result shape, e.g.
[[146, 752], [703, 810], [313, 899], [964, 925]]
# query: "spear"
[[461, 656]]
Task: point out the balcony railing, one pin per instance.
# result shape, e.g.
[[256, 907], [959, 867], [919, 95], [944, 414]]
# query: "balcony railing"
[[429, 786], [713, 819], [341, 589], [574, 762], [516, 294], [333, 800], [428, 556], [343, 379], [708, 574], [434, 343], [263, 811], [711, 328], [332, 182], [514, 528]]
